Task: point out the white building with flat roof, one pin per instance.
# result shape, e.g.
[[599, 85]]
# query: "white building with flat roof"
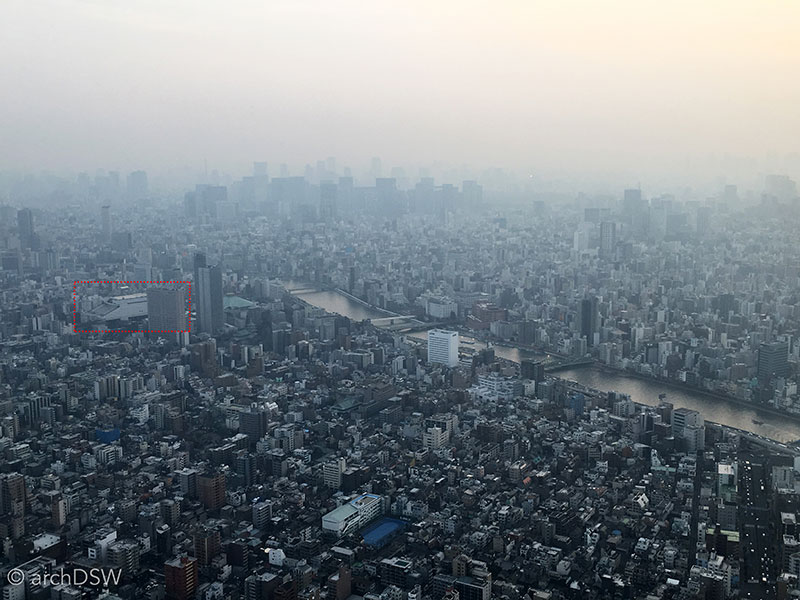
[[130, 306], [353, 515], [443, 347]]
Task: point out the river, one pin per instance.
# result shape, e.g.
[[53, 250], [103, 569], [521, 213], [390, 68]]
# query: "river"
[[640, 390], [334, 302], [712, 409]]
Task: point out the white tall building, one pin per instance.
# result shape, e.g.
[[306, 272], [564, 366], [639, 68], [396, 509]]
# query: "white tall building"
[[434, 438], [443, 347], [683, 418], [332, 472]]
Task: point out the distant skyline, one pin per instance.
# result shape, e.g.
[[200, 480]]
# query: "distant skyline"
[[635, 88]]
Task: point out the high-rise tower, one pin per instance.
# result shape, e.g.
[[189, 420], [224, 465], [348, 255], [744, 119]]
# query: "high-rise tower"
[[208, 290]]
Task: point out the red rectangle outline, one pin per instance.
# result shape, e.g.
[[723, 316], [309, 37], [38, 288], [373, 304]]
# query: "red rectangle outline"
[[75, 310]]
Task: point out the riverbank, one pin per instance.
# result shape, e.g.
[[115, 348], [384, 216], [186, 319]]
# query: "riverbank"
[[677, 385], [725, 411], [771, 443]]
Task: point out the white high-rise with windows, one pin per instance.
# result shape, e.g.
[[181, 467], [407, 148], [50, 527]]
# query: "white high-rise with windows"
[[434, 438], [443, 347], [332, 472]]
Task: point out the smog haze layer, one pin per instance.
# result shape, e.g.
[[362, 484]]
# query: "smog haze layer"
[[652, 90]]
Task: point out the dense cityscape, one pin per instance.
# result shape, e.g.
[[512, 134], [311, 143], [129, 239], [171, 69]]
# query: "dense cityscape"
[[399, 300], [181, 420]]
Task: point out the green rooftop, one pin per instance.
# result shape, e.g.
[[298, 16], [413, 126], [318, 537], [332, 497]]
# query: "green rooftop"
[[236, 302]]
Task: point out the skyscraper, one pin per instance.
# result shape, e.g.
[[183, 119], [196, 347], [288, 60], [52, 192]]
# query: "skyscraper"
[[25, 226], [376, 167], [166, 309], [208, 290], [327, 201], [198, 262], [634, 211], [632, 200], [105, 217], [589, 319], [137, 185], [443, 347], [773, 361], [608, 239], [260, 169]]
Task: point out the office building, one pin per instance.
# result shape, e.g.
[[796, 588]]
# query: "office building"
[[632, 200], [25, 227], [533, 370], [589, 319], [166, 309], [332, 473], [260, 169], [105, 218], [208, 295], [253, 423], [328, 201], [608, 239], [137, 185], [187, 479], [773, 361], [683, 418], [443, 347]]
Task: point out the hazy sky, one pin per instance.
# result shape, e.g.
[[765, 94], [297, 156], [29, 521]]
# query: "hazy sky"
[[559, 85]]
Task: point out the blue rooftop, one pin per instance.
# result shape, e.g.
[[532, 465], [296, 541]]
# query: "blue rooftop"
[[381, 532]]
